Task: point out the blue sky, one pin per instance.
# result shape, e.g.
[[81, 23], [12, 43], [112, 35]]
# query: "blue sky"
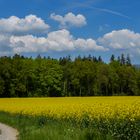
[[59, 28]]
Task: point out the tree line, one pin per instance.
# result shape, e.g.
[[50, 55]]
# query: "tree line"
[[84, 76]]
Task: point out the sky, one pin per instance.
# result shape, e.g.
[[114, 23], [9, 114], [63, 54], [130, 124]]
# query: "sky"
[[59, 28]]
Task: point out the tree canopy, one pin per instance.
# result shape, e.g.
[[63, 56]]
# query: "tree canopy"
[[83, 76]]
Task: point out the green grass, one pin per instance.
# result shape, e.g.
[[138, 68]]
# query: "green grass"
[[42, 128]]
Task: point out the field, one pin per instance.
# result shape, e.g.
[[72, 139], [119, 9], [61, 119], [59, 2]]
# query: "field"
[[93, 107], [117, 117]]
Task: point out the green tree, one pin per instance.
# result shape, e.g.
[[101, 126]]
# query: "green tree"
[[112, 59], [123, 61], [128, 60]]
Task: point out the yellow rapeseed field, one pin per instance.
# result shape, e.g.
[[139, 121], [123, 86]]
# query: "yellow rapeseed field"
[[75, 107]]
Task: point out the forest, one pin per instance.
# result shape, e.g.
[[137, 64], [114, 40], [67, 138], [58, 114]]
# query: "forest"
[[84, 76]]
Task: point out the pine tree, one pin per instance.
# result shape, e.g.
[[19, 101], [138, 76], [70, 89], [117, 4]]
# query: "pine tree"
[[128, 60], [38, 57], [94, 59], [89, 58], [112, 58], [100, 59], [123, 61], [119, 59]]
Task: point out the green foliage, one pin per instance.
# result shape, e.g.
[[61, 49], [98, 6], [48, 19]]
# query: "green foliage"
[[87, 76]]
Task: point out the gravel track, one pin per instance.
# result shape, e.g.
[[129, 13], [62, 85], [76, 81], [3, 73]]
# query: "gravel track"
[[7, 132]]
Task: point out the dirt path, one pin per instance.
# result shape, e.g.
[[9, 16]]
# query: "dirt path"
[[7, 132]]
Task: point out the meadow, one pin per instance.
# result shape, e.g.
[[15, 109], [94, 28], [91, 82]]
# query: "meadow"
[[84, 118]]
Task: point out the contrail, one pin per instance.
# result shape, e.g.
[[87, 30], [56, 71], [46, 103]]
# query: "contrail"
[[110, 11], [87, 5]]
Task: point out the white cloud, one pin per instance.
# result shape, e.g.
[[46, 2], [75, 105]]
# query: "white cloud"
[[27, 43], [17, 35], [58, 41], [28, 25], [88, 44], [121, 40], [69, 20]]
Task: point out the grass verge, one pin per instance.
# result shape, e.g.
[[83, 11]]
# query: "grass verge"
[[43, 128]]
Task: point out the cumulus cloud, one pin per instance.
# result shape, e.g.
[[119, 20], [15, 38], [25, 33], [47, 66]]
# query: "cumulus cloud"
[[88, 44], [121, 39], [60, 40], [69, 19], [29, 25], [19, 35], [4, 44]]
